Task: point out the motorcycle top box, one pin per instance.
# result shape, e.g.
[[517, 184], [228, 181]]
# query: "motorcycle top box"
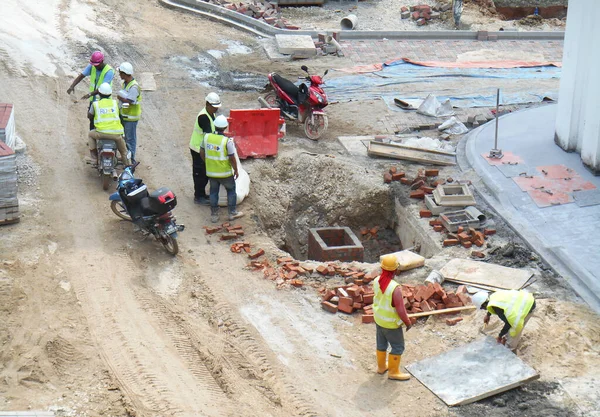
[[162, 200]]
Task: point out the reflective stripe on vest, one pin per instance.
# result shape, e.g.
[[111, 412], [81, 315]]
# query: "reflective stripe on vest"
[[106, 117], [516, 306], [216, 159], [95, 83], [133, 112], [384, 313], [198, 134]]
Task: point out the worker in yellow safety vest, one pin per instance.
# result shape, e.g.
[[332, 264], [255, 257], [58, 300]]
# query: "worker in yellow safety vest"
[[105, 116], [204, 124], [218, 152], [389, 313], [513, 307], [130, 103], [99, 73]]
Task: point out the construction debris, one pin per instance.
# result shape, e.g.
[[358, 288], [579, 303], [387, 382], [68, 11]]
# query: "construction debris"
[[397, 151]]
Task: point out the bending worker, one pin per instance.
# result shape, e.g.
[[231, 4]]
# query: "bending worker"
[[218, 152], [104, 114], [513, 307], [389, 313]]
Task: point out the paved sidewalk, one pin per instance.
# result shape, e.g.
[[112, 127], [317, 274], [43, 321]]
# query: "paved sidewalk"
[[547, 216], [376, 51]]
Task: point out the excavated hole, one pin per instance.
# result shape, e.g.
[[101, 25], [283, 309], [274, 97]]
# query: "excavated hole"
[[293, 195]]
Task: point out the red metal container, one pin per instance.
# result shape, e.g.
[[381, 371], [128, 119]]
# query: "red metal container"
[[256, 132]]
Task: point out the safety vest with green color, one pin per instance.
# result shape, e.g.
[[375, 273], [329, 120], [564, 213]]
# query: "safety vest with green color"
[[198, 133], [132, 112], [384, 313], [106, 117], [516, 306], [96, 80], [216, 159]]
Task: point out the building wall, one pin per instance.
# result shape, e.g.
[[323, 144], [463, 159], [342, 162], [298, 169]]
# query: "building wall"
[[578, 119]]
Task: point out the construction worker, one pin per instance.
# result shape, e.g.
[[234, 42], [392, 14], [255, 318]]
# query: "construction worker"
[[104, 114], [389, 313], [130, 103], [218, 152], [457, 9], [99, 73], [203, 125], [513, 307]]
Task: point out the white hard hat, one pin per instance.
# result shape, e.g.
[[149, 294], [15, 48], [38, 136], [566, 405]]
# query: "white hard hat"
[[105, 89], [221, 122], [126, 67], [479, 298], [214, 100]]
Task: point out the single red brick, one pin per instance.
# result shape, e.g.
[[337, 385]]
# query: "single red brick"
[[328, 295], [357, 305], [432, 172], [397, 176], [353, 291], [425, 213], [427, 190], [387, 178], [450, 242], [284, 260], [368, 318], [228, 236], [489, 232], [291, 275], [417, 194], [434, 222], [393, 170], [477, 254], [438, 228], [257, 254], [467, 244], [364, 230], [452, 322], [425, 306], [464, 298], [368, 299], [345, 305], [332, 308], [464, 236], [297, 283], [439, 290], [322, 269], [416, 15]]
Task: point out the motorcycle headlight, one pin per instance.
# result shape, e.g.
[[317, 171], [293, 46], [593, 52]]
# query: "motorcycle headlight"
[[319, 98]]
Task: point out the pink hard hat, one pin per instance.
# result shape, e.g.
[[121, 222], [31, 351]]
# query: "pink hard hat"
[[97, 58]]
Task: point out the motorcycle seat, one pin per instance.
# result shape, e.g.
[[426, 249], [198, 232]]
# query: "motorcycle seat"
[[287, 86]]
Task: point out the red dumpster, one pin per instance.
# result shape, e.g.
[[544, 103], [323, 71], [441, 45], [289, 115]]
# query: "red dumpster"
[[256, 132]]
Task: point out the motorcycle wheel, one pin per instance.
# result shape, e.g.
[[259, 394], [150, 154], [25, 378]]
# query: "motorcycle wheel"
[[119, 209], [170, 244], [272, 100], [106, 180], [315, 126]]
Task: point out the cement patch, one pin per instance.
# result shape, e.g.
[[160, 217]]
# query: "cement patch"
[[472, 372], [296, 45]]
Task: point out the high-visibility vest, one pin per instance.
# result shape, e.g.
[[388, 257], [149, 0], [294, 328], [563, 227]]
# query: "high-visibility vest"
[[516, 306], [198, 133], [215, 156], [96, 80], [384, 313], [133, 112], [106, 117]]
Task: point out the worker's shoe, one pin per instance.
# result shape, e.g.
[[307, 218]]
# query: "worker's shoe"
[[235, 215], [382, 362], [394, 369], [203, 201]]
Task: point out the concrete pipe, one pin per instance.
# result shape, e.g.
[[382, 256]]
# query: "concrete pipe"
[[349, 22]]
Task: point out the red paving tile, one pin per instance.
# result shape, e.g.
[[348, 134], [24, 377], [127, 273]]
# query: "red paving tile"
[[508, 157], [556, 171], [552, 198], [575, 183]]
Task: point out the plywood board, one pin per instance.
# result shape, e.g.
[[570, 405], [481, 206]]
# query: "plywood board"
[[408, 153], [146, 81], [472, 372], [491, 275], [408, 260]]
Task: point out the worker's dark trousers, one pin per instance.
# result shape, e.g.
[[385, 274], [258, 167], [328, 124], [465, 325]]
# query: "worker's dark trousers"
[[199, 173]]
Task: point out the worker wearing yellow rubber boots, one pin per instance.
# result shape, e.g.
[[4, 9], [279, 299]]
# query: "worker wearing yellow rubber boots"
[[389, 313]]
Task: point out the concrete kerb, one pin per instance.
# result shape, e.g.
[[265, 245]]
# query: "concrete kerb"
[[257, 27], [578, 278]]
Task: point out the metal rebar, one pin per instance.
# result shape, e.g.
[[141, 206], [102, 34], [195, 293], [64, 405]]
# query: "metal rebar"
[[497, 108]]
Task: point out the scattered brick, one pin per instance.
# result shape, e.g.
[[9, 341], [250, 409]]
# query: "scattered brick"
[[328, 295], [464, 298], [417, 194], [322, 269], [297, 283], [332, 308], [345, 305], [368, 298], [427, 190], [291, 275], [477, 254], [368, 318], [435, 222], [432, 172], [438, 228], [387, 178], [425, 213], [228, 236], [364, 230], [467, 244], [452, 322], [450, 242], [397, 176], [257, 254], [284, 260], [489, 232], [393, 170]]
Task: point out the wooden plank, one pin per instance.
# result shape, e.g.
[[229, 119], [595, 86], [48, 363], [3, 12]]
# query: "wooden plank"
[[411, 154], [482, 286], [474, 272], [443, 311]]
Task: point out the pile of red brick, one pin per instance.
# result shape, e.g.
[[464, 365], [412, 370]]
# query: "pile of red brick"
[[467, 237], [264, 11], [421, 13], [348, 299], [424, 183]]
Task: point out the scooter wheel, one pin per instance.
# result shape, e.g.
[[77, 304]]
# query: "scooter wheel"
[[119, 209], [272, 100], [315, 126], [170, 244]]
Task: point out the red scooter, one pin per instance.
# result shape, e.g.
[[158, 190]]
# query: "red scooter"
[[300, 103]]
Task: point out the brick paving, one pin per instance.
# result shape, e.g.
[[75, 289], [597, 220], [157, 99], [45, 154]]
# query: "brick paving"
[[375, 51]]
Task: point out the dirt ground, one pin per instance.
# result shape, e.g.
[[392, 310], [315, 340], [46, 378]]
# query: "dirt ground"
[[95, 320]]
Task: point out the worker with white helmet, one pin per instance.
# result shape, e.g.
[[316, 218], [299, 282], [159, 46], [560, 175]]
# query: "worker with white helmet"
[[204, 124], [104, 114], [389, 313], [130, 103], [513, 307], [99, 73], [218, 152]]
